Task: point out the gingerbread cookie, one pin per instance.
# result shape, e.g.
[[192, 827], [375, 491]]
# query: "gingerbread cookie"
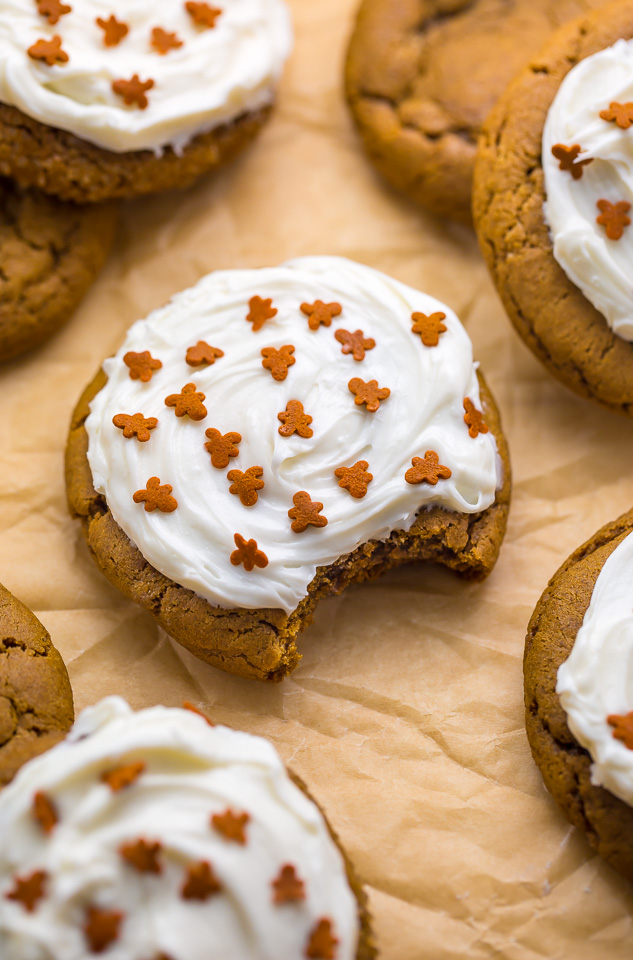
[[423, 74], [36, 702], [50, 252], [550, 204], [271, 436], [158, 835], [578, 693], [99, 102]]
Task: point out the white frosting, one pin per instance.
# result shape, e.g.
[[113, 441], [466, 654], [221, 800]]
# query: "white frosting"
[[192, 771], [216, 74], [600, 267], [424, 412], [597, 678]]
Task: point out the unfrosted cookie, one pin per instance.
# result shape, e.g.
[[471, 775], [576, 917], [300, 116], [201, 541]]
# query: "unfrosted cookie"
[[561, 266], [102, 100], [158, 835], [423, 74], [36, 702], [271, 436], [50, 254]]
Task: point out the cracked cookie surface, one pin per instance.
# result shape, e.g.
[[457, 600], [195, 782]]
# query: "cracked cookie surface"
[[422, 75], [50, 253], [549, 312], [260, 643], [564, 764], [36, 703]]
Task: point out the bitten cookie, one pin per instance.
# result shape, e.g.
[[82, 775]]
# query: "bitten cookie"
[[273, 435], [553, 185], [158, 836], [50, 253], [578, 690], [36, 702], [102, 100], [423, 74]]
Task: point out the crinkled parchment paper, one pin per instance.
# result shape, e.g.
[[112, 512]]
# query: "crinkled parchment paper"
[[406, 714]]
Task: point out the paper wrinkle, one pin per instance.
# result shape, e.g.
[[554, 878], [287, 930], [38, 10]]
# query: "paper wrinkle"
[[405, 717]]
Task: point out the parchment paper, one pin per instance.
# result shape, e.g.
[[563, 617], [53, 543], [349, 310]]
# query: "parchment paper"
[[406, 715]]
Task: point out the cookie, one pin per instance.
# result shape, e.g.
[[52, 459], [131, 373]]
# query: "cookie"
[[422, 75], [96, 106], [36, 702], [271, 436], [182, 840], [518, 153], [586, 609], [50, 252]]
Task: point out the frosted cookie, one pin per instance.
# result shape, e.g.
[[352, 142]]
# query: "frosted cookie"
[[36, 702], [423, 74], [104, 99], [579, 691], [50, 253], [157, 835], [273, 435], [553, 187]]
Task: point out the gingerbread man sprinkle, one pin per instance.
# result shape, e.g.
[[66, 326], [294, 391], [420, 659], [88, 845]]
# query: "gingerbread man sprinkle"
[[305, 513], [29, 890], [278, 361], [355, 343], [101, 928], [202, 14], [187, 403], [294, 420], [620, 113], [163, 41], [474, 419], [52, 10], [427, 470], [623, 728], [429, 327], [222, 447], [613, 216], [156, 496], [319, 313], [245, 485], [142, 365], [322, 944], [247, 554], [49, 51], [143, 856], [287, 887], [203, 354], [133, 91], [201, 882], [368, 393], [231, 825], [260, 311], [45, 812], [355, 479], [122, 777], [135, 425], [568, 159], [113, 30]]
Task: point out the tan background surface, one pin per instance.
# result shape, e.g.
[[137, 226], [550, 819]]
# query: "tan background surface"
[[406, 715]]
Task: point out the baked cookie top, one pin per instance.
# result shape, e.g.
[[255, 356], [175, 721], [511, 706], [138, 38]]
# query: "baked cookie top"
[[267, 422], [595, 683], [139, 75], [154, 834]]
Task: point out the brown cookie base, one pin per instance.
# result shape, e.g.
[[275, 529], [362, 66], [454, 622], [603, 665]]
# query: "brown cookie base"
[[552, 316], [36, 701], [422, 75], [62, 164], [564, 764], [50, 253], [261, 643]]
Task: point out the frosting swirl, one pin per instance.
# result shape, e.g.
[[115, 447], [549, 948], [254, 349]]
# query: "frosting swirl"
[[192, 772], [215, 75], [596, 263], [424, 413], [596, 681]]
